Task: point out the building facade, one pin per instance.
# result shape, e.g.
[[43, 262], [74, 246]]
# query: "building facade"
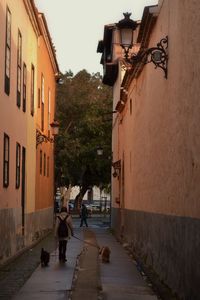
[[20, 34], [45, 107], [156, 145]]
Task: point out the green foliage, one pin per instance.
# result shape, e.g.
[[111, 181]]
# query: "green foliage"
[[83, 108]]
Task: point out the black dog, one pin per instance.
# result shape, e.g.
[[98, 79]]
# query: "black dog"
[[44, 258]]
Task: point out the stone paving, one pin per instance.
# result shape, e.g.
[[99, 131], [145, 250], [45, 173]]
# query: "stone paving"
[[120, 275], [14, 274]]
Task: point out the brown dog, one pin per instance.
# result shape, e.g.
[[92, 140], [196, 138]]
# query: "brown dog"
[[104, 253]]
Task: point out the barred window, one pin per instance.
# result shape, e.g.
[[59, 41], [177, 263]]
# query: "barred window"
[[48, 166], [44, 164], [6, 154], [24, 87], [7, 53], [42, 104], [18, 162], [40, 162], [38, 97], [32, 88], [19, 68], [49, 109]]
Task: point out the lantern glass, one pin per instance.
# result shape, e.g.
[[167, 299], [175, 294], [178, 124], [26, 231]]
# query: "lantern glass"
[[55, 128], [99, 151], [126, 37]]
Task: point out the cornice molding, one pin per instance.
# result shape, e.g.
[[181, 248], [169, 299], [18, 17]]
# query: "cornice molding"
[[148, 21], [48, 41], [32, 13]]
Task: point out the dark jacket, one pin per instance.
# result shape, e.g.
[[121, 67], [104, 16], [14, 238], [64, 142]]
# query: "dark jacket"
[[84, 212]]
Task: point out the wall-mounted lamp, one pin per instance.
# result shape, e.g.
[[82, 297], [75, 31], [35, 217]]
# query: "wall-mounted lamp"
[[104, 151], [157, 55], [99, 151], [41, 138], [117, 168], [55, 127], [115, 174]]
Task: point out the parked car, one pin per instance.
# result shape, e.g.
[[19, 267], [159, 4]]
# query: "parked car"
[[95, 208]]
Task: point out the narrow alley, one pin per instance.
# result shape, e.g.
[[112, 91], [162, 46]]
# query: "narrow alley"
[[99, 115], [83, 275]]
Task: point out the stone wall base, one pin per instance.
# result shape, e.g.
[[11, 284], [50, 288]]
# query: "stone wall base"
[[168, 244], [14, 238]]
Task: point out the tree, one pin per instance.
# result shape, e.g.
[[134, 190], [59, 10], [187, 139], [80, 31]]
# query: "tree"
[[82, 104]]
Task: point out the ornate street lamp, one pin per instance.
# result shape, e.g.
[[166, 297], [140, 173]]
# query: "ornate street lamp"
[[41, 138], [99, 151], [157, 55], [126, 27], [55, 127]]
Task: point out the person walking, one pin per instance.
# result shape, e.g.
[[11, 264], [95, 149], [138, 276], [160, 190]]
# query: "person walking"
[[63, 232], [84, 215]]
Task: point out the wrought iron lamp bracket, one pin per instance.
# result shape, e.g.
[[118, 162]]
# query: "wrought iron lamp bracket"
[[41, 138], [117, 168], [157, 55]]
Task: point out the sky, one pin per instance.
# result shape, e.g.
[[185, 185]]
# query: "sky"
[[76, 26]]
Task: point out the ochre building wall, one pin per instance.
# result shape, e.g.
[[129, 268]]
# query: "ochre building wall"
[[159, 148], [23, 220]]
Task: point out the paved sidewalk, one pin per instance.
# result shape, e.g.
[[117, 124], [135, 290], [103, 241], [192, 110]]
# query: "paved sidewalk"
[[120, 279], [16, 271], [53, 282]]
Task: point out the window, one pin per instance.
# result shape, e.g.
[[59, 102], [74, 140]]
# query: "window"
[[32, 88], [38, 97], [6, 154], [24, 87], [42, 116], [7, 52], [49, 110], [18, 159], [19, 68], [48, 166], [42, 104], [40, 162], [44, 164], [130, 106], [23, 188]]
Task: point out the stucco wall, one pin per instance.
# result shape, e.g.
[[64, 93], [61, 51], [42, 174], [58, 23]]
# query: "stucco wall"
[[160, 140], [165, 148], [160, 148], [44, 183], [20, 126]]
